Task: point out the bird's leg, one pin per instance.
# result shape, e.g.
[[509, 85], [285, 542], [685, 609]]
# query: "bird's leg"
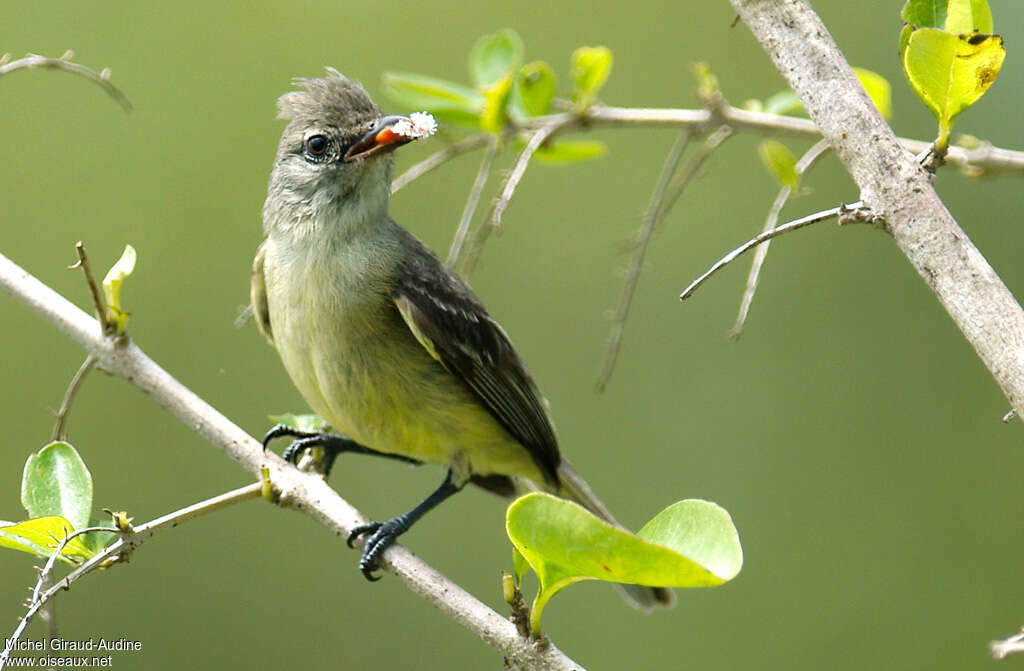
[[383, 534], [332, 444]]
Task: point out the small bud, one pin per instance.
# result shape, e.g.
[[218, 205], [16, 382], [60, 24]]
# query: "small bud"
[[508, 587]]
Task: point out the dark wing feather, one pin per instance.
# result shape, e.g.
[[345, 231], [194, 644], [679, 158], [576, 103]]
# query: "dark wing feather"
[[451, 323]]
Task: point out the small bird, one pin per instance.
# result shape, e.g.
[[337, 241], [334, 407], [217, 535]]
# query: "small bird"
[[388, 346]]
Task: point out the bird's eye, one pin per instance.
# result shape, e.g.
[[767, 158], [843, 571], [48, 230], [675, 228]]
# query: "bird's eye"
[[316, 145]]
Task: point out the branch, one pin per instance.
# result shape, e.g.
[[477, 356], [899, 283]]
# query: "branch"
[[302, 491], [131, 538], [539, 137], [102, 78], [474, 198], [977, 161], [665, 196], [641, 240], [893, 185], [805, 163], [764, 237], [59, 430], [433, 161], [1014, 645]]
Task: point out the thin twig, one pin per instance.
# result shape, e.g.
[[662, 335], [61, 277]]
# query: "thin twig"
[[472, 201], [41, 593], [805, 163], [304, 492], [983, 160], [102, 78], [508, 190], [788, 227], [99, 303], [662, 204], [693, 167], [1009, 646], [440, 158], [641, 240], [59, 426], [120, 548]]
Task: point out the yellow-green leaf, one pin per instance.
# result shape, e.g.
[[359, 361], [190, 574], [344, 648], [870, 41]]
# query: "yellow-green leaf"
[[56, 481], [878, 89], [951, 72], [590, 67], [448, 101], [112, 287], [571, 151], [494, 113], [691, 543], [303, 423], [780, 162], [535, 87], [494, 57], [42, 535], [953, 16]]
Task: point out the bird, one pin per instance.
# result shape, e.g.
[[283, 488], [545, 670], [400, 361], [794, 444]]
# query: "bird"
[[393, 350]]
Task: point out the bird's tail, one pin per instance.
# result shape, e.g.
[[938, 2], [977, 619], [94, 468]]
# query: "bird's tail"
[[575, 488]]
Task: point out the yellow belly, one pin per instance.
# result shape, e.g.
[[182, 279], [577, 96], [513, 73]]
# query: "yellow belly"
[[358, 365]]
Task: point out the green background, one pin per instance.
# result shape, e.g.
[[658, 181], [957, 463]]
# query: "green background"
[[852, 433]]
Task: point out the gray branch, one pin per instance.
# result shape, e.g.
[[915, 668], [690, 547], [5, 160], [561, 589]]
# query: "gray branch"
[[306, 492], [893, 185]]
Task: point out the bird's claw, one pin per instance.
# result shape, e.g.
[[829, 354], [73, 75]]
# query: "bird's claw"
[[381, 536]]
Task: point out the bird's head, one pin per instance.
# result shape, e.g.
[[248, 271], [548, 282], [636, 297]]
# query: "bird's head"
[[335, 153]]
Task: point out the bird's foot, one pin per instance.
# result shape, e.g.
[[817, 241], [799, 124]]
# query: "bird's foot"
[[332, 445], [381, 536]]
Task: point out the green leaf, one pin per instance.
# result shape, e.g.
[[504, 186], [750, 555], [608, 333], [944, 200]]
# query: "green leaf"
[[700, 530], [951, 72], [571, 151], [535, 87], [590, 67], [689, 544], [780, 162], [112, 287], [783, 102], [57, 482], [493, 62], [495, 57], [877, 87], [42, 535], [304, 423], [496, 98], [448, 101], [905, 34], [954, 16], [519, 566]]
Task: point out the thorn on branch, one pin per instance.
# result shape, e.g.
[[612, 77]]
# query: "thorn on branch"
[[802, 167], [99, 304], [794, 225]]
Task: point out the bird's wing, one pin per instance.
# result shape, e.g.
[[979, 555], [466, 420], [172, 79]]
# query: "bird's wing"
[[453, 326], [258, 294]]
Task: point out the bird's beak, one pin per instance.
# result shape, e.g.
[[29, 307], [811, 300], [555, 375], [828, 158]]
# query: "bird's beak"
[[381, 138]]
